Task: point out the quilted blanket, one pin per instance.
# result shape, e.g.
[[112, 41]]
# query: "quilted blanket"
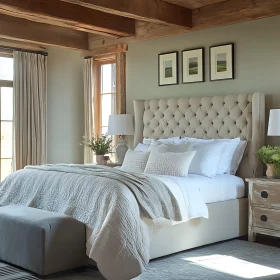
[[110, 202]]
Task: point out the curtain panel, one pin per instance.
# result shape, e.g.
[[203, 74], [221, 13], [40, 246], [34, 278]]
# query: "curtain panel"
[[30, 89], [89, 105]]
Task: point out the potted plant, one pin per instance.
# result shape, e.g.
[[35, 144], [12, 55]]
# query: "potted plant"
[[271, 157], [100, 145]]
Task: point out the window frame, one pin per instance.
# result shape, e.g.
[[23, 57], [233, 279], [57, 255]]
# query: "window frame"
[[98, 91], [6, 84]]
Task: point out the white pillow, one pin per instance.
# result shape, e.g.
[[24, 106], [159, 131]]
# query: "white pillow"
[[237, 157], [148, 141], [171, 164], [135, 161], [228, 151], [176, 148], [190, 139], [141, 148], [157, 143], [206, 159], [227, 154]]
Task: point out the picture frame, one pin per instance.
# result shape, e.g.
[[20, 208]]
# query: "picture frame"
[[168, 69], [222, 62], [193, 65]]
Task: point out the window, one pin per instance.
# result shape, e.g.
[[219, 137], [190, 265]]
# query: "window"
[[105, 94], [6, 107]]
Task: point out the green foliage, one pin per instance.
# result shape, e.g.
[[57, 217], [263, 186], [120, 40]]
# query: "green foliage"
[[100, 145], [270, 155]]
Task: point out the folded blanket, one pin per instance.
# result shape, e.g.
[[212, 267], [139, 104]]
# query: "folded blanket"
[[109, 201]]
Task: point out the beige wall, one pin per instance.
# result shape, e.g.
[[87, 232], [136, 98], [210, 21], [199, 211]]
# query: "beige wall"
[[65, 111], [257, 49]]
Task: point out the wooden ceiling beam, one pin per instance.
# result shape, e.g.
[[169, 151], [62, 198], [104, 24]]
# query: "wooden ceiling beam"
[[13, 44], [40, 33], [114, 49], [234, 11], [193, 4], [220, 14], [155, 11], [69, 15]]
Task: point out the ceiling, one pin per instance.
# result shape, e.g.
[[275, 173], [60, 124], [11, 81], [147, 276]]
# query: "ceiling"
[[106, 25], [194, 4]]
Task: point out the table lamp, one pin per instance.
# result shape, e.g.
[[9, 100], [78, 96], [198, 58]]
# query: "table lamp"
[[274, 123], [120, 125]]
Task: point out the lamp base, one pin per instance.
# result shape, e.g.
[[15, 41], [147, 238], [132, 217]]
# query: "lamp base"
[[121, 150]]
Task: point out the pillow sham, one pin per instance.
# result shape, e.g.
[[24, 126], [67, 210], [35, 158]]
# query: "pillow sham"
[[171, 164], [227, 154], [191, 139], [135, 161], [228, 151], [156, 143], [148, 141], [237, 157], [206, 159], [141, 148], [176, 148]]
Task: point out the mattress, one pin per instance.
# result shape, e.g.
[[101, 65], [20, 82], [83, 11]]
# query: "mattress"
[[220, 188], [194, 192]]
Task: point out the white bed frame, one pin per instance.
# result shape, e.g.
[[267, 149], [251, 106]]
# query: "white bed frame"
[[214, 117]]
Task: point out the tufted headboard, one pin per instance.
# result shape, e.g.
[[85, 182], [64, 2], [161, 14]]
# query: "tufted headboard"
[[229, 116]]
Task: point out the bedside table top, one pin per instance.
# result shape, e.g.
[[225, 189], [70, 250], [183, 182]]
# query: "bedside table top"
[[263, 181]]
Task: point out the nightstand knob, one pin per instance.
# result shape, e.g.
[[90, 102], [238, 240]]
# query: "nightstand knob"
[[264, 194], [264, 218]]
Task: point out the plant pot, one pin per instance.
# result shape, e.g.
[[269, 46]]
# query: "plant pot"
[[270, 171], [99, 159]]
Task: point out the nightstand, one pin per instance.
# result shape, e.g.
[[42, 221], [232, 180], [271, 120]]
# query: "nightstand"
[[264, 207]]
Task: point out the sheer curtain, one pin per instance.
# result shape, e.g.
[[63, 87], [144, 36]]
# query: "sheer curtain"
[[89, 105], [30, 71]]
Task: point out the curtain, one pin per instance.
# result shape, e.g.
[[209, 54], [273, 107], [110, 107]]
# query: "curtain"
[[89, 105], [30, 71]]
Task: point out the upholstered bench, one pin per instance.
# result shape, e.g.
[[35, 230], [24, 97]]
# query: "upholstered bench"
[[41, 241]]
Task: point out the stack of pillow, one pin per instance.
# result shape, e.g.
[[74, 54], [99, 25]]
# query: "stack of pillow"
[[180, 157]]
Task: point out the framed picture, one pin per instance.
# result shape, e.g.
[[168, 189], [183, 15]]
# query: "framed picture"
[[193, 66], [168, 69], [222, 62]]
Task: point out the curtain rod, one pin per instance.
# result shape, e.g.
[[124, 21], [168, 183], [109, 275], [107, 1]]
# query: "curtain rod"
[[22, 50]]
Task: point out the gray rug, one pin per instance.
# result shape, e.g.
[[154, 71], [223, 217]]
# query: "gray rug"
[[230, 260]]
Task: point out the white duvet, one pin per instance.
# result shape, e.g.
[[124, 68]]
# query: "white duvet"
[[114, 205]]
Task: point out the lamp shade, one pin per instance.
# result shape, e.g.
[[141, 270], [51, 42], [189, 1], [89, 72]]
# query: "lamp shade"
[[120, 125], [274, 123]]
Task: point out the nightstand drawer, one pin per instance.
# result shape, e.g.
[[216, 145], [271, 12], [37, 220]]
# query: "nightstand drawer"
[[266, 218], [266, 195]]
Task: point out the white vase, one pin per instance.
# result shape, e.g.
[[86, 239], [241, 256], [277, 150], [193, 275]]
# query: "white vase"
[[99, 159]]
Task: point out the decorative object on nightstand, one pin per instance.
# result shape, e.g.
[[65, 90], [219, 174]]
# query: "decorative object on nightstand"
[[271, 155], [264, 207], [100, 145], [121, 125]]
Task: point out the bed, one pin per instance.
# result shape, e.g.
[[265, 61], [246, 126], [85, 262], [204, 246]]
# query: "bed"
[[115, 204], [230, 116]]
